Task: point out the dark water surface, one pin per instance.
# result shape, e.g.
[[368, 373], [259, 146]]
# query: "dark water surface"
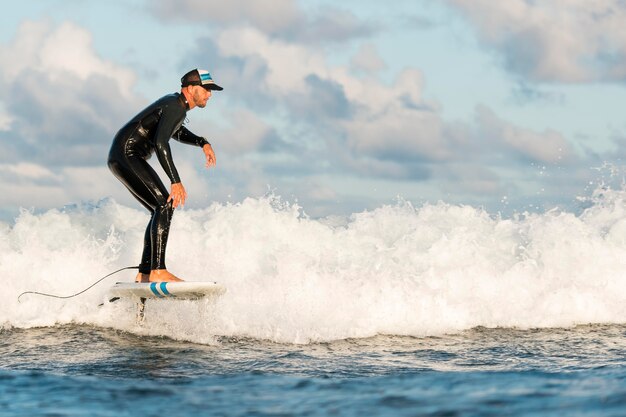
[[75, 370]]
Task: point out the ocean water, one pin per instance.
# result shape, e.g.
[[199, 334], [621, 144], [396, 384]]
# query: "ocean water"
[[437, 310]]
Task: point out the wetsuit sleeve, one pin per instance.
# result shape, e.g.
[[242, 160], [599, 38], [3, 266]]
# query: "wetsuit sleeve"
[[184, 135], [168, 123]]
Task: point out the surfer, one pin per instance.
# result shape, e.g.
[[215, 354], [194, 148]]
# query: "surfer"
[[147, 133]]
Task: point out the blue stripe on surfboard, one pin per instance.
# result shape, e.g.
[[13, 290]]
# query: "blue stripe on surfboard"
[[164, 290], [154, 290]]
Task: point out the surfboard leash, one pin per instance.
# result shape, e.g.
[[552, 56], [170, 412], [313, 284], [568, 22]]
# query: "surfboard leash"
[[78, 293]]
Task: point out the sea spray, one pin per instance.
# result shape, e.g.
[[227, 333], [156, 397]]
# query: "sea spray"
[[398, 269]]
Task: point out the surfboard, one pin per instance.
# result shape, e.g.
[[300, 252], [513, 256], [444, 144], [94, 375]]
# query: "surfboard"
[[180, 290]]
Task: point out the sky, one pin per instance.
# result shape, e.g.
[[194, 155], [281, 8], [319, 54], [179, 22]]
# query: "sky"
[[338, 106]]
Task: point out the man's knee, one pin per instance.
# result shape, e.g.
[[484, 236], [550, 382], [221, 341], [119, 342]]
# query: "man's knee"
[[165, 207]]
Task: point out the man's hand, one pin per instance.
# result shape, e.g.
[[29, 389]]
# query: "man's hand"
[[178, 195], [210, 155]]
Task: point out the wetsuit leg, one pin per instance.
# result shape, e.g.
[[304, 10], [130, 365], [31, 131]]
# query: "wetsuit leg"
[[146, 256], [144, 183]]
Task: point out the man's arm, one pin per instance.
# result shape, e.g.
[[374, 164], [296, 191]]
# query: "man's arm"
[[168, 122], [184, 135]]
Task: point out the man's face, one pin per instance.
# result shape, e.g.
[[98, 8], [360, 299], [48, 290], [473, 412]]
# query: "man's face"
[[200, 95]]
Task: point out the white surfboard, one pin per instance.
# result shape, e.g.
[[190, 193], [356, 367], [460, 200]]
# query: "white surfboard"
[[181, 290]]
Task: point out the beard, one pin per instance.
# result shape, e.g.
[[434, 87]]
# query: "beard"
[[200, 102]]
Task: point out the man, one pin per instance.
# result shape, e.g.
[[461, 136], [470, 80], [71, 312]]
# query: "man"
[[147, 133]]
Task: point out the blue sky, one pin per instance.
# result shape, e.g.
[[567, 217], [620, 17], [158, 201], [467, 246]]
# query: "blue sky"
[[342, 106]]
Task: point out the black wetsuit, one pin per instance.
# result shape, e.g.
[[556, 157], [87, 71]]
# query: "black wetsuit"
[[147, 133]]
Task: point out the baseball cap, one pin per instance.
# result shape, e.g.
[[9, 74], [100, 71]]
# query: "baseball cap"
[[199, 77]]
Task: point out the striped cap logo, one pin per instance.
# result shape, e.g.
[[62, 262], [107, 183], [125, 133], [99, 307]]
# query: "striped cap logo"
[[205, 77]]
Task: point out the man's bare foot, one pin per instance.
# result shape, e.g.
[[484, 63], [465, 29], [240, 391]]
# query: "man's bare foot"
[[142, 277], [162, 275]]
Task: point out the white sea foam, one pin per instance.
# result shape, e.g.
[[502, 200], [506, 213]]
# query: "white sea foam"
[[395, 270]]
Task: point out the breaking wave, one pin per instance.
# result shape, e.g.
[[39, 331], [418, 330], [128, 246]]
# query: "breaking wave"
[[398, 269]]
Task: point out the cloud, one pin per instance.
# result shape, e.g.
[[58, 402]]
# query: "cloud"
[[398, 133], [367, 60], [27, 170], [26, 185], [281, 15], [331, 24], [66, 101], [418, 22], [322, 98], [470, 178], [39, 49], [370, 118], [363, 126], [548, 147], [524, 93], [247, 133], [283, 18], [572, 41], [295, 117], [5, 118], [268, 65]]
